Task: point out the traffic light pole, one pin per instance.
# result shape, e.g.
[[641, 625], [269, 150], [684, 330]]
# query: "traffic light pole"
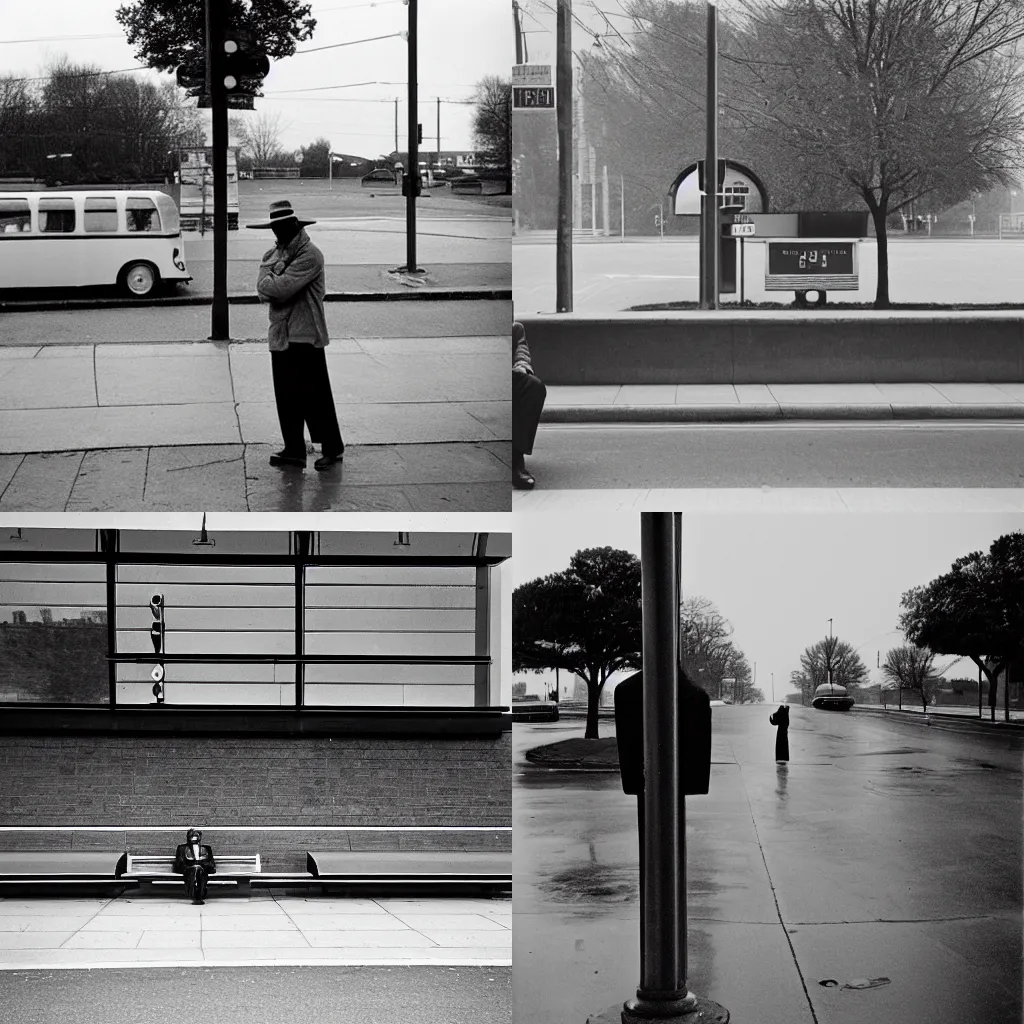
[[413, 169], [215, 29], [663, 994]]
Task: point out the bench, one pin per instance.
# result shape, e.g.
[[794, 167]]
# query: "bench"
[[233, 869], [75, 869], [411, 870]]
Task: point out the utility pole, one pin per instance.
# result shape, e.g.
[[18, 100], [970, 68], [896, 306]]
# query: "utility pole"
[[709, 223], [563, 111], [215, 26], [519, 32], [414, 152], [396, 126], [438, 131]]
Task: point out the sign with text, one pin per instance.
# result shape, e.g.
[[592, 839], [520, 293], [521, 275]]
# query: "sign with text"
[[742, 230], [533, 98], [811, 258], [529, 75]]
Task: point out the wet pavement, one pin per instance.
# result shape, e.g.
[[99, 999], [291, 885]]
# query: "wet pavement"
[[878, 852]]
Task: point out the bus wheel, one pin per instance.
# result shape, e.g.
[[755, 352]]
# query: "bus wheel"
[[139, 279]]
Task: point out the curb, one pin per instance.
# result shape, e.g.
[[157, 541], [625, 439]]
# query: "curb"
[[423, 295], [762, 413], [955, 723]]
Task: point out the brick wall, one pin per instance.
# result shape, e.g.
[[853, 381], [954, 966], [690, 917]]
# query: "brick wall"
[[307, 782]]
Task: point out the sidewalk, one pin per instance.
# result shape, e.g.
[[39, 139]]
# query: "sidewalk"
[[426, 422], [268, 927], [711, 403]]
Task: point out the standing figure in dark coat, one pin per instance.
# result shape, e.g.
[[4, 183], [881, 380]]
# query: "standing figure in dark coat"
[[195, 861], [291, 280], [528, 394], [781, 719]]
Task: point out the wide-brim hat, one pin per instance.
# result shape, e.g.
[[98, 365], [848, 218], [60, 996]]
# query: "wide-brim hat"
[[281, 212]]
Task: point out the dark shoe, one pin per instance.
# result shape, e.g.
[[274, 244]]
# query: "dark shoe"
[[326, 461], [198, 903], [521, 480], [286, 458]]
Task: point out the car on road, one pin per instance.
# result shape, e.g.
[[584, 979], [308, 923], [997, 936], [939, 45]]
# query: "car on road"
[[534, 711], [378, 176], [77, 238], [832, 697]]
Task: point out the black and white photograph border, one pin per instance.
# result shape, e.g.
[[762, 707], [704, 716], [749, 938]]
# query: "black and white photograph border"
[[348, 766]]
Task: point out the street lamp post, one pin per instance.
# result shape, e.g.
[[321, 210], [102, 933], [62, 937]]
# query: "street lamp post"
[[709, 249]]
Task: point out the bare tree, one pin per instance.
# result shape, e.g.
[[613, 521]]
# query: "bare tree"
[[261, 136], [892, 99], [830, 660], [912, 668]]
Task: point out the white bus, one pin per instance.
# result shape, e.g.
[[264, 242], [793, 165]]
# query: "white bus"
[[90, 237]]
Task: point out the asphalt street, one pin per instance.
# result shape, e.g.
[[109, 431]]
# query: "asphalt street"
[[412, 319], [259, 995], [875, 877], [779, 455]]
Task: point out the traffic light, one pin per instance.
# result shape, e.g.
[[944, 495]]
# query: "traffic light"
[[244, 64], [156, 634]]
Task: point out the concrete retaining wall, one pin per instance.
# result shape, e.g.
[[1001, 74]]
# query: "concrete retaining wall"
[[811, 348]]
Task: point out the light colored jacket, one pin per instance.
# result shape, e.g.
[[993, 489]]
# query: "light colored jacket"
[[291, 280]]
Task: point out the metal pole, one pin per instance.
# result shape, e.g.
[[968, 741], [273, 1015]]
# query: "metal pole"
[[622, 208], [604, 200], [662, 988], [592, 175], [709, 281], [215, 20], [413, 169], [519, 34], [981, 713], [438, 131], [396, 127], [563, 112]]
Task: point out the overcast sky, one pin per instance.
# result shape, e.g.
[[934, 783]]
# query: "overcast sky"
[[778, 578], [460, 41]]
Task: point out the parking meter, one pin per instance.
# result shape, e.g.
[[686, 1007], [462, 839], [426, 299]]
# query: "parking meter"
[[694, 736]]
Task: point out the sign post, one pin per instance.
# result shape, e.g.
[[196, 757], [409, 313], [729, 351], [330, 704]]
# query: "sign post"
[[563, 100]]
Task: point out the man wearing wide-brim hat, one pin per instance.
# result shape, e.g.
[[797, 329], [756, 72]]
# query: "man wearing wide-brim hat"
[[291, 280]]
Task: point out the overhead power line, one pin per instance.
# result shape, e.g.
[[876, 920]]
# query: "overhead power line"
[[61, 39], [353, 42]]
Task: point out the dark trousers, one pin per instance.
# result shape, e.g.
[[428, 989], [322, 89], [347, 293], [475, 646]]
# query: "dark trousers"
[[302, 389], [528, 394], [195, 881]]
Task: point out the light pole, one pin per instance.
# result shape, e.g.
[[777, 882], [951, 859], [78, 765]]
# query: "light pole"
[[563, 117], [709, 249]]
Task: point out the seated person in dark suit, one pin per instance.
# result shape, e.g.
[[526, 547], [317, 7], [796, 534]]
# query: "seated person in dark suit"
[[195, 861], [528, 394]]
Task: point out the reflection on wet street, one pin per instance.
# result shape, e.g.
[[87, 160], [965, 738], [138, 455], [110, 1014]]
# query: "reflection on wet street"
[[881, 850]]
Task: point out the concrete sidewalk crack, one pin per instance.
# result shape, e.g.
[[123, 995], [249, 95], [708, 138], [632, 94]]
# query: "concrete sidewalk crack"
[[99, 910], [203, 465], [145, 474], [74, 483], [294, 923], [95, 379], [778, 911], [13, 475]]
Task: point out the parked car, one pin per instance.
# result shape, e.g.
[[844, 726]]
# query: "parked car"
[[378, 176], [832, 697]]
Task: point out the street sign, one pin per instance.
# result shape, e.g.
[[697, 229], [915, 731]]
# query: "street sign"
[[530, 75], [533, 98], [740, 230]]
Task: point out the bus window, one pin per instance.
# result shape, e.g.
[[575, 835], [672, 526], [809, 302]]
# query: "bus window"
[[142, 214], [14, 216], [57, 215], [100, 214]]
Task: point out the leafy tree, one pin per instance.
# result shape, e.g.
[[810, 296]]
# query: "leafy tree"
[[492, 122], [976, 610], [830, 660], [315, 158], [166, 33], [586, 619], [893, 100], [912, 668]]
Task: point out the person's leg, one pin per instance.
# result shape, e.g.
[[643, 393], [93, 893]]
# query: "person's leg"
[[528, 394], [200, 883], [319, 411], [190, 882], [286, 367]]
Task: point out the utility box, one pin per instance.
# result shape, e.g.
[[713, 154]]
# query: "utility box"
[[694, 736]]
